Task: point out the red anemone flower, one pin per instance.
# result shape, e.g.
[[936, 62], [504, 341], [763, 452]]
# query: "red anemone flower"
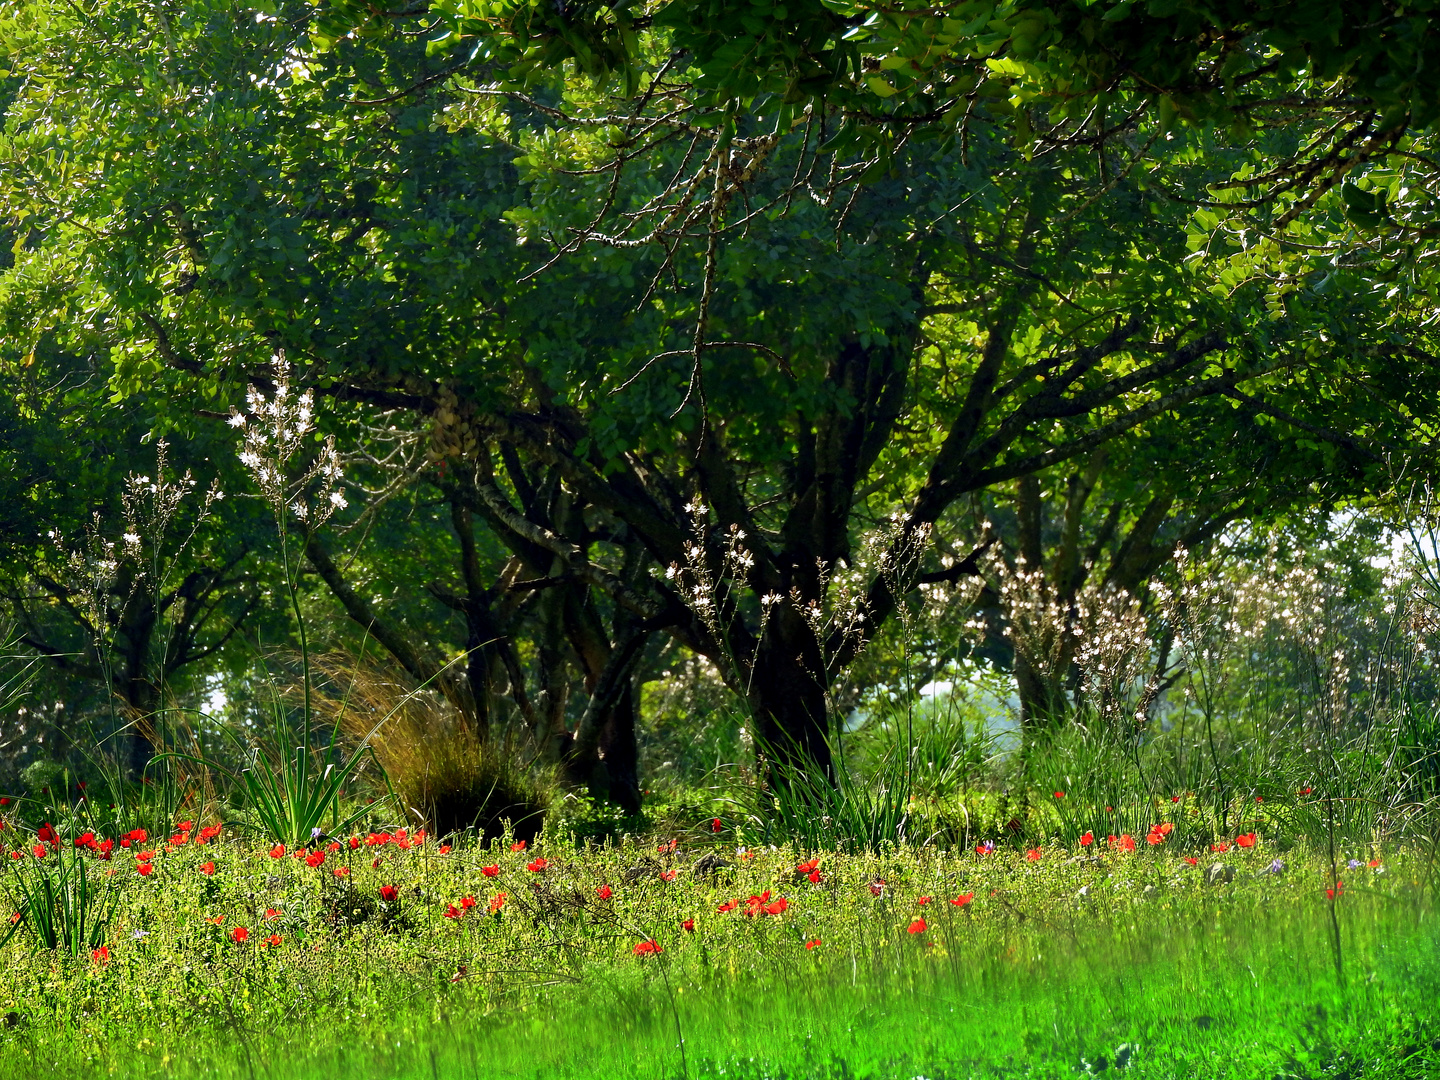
[[917, 927], [342, 871], [497, 901], [388, 892], [1059, 794], [777, 907], [537, 865], [1245, 839], [452, 912], [519, 845], [1087, 839], [667, 875], [963, 899], [272, 940], [688, 926], [278, 851], [375, 865], [1034, 854], [145, 869], [1191, 860], [715, 825], [729, 905], [815, 877], [604, 892], [877, 887], [271, 913], [1338, 890], [807, 867], [315, 858], [46, 834], [1221, 845], [467, 902], [922, 900], [490, 871], [646, 948], [208, 869], [239, 934], [445, 849], [101, 955], [813, 943]]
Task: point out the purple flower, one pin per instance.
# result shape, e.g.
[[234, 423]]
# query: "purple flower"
[[1276, 867], [1354, 864]]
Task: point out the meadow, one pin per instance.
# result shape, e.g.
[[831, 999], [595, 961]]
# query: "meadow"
[[692, 952]]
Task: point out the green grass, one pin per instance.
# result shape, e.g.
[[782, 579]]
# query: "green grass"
[[1028, 979]]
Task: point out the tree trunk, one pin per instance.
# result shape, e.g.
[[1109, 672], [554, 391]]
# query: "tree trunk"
[[788, 696]]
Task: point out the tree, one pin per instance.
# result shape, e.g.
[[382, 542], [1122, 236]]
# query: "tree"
[[644, 338]]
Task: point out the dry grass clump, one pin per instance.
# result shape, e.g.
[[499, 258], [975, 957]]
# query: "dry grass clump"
[[442, 771]]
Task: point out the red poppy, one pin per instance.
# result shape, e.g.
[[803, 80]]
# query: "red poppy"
[[1174, 798], [375, 865], [445, 849], [278, 851], [667, 848], [46, 834], [208, 869], [537, 865], [104, 848], [38, 851], [688, 926], [388, 892], [815, 877], [490, 871], [877, 887], [1158, 833], [1191, 860], [100, 955], [271, 913], [1374, 862], [667, 875], [497, 901], [963, 899], [354, 843], [519, 845], [272, 940], [239, 934], [6, 802], [729, 905], [1034, 854], [807, 867], [646, 948], [754, 905], [217, 920], [342, 871], [1059, 794], [145, 869], [604, 892], [917, 927], [813, 943], [715, 825], [1304, 791], [83, 840], [315, 858], [1338, 890], [922, 900], [467, 902], [136, 836], [1087, 839], [1125, 842], [1246, 839], [145, 856], [777, 907], [452, 912], [1221, 845]]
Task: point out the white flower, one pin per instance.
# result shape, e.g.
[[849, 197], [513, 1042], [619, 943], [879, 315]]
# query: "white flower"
[[338, 499], [236, 420], [249, 459]]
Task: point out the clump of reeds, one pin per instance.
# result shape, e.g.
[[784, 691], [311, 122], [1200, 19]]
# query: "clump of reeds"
[[443, 772]]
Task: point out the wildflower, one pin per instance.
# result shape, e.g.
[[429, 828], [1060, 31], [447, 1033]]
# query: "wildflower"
[[217, 920], [315, 858], [715, 825], [208, 869], [332, 847], [445, 849], [985, 848], [537, 865], [490, 871], [1338, 890], [1034, 854], [922, 900], [271, 913], [604, 892], [728, 905], [498, 901], [877, 887], [1259, 798], [1276, 867], [46, 834], [807, 867], [776, 907], [917, 927], [1158, 833], [754, 905], [354, 842], [272, 940], [665, 849], [104, 848], [278, 851], [1245, 840], [1059, 794], [100, 955], [467, 902], [1354, 864], [145, 869], [813, 943], [342, 871], [1191, 860], [519, 845], [375, 865], [388, 892], [1304, 791], [38, 851], [145, 856], [1087, 839], [1220, 846], [815, 877], [688, 926], [667, 875], [452, 912], [646, 948], [139, 935], [239, 934], [1174, 798], [1374, 863]]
